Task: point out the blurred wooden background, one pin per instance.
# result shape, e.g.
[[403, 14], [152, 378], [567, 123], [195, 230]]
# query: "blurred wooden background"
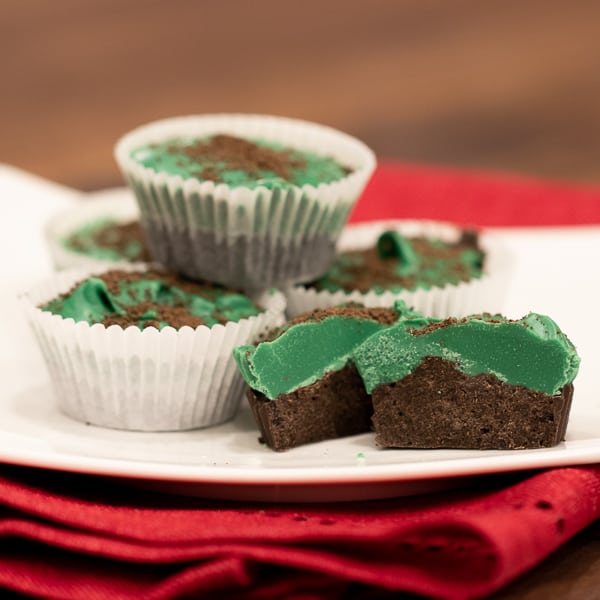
[[501, 84]]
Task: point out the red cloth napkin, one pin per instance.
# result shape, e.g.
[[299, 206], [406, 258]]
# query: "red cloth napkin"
[[73, 536], [399, 191]]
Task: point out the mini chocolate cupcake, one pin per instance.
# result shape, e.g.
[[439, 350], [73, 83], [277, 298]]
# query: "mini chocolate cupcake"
[[302, 384], [481, 382], [97, 232], [244, 200], [145, 350], [439, 269]]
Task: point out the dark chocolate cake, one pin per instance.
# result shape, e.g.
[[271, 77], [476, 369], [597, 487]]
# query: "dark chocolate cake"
[[335, 406], [437, 406]]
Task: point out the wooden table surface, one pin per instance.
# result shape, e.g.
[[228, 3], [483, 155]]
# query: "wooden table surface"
[[510, 85]]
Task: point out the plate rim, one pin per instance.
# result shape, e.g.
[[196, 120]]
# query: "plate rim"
[[569, 453]]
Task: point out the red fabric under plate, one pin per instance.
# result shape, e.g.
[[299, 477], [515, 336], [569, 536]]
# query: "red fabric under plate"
[[77, 537], [399, 191]]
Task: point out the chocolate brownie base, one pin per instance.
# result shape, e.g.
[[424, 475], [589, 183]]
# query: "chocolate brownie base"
[[438, 406], [248, 263], [335, 406]]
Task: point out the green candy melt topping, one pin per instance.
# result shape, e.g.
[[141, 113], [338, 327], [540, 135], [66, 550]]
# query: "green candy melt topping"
[[302, 354], [239, 162], [397, 262], [150, 301], [107, 239], [393, 245], [90, 301], [530, 352]]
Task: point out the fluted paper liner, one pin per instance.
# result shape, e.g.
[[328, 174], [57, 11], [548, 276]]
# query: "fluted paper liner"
[[146, 380], [485, 294], [253, 238], [67, 222]]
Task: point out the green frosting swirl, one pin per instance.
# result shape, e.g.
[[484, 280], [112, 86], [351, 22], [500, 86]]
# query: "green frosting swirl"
[[393, 245], [150, 301], [530, 352], [179, 156]]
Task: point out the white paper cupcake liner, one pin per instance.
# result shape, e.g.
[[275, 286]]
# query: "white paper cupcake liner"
[[111, 204], [485, 294], [145, 380], [253, 238]]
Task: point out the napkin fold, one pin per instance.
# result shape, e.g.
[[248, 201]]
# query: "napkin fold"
[[67, 536], [74, 536]]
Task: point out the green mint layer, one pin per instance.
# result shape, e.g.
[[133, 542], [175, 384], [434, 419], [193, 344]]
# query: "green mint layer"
[[92, 301], [176, 156], [304, 351], [84, 241], [302, 355], [530, 352]]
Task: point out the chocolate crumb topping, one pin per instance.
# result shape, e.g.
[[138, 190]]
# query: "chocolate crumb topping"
[[366, 269], [488, 317], [386, 316], [175, 316], [470, 237], [440, 325], [240, 154], [115, 277]]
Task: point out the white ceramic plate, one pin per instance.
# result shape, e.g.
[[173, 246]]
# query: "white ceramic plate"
[[555, 273]]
